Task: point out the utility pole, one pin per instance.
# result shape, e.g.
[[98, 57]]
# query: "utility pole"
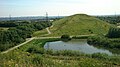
[[47, 19]]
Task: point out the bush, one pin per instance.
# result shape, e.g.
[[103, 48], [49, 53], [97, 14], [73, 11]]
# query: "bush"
[[65, 38], [113, 32]]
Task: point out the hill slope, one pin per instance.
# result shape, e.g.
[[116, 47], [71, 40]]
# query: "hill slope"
[[79, 24]]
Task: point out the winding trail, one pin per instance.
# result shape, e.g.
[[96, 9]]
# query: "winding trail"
[[48, 30]]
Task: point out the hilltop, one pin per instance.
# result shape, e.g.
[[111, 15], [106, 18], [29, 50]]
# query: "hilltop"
[[79, 24]]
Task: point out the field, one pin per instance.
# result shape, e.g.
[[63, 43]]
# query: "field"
[[32, 54]]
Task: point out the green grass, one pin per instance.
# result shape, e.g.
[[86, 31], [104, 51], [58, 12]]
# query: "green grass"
[[40, 33], [79, 24], [21, 58]]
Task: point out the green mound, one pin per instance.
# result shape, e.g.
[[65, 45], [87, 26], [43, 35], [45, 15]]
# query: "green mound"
[[79, 24]]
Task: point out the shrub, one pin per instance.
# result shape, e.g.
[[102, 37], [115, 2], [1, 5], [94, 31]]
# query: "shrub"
[[65, 38], [113, 32]]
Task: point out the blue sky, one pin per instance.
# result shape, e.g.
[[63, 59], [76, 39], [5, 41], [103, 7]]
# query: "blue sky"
[[58, 7]]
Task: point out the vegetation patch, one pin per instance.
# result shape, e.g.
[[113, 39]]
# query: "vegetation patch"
[[18, 32], [114, 32], [65, 38]]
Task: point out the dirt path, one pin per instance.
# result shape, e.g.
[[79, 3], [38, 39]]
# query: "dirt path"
[[48, 30], [28, 40], [17, 46]]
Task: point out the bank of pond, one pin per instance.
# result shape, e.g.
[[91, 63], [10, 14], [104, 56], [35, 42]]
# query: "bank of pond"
[[79, 45]]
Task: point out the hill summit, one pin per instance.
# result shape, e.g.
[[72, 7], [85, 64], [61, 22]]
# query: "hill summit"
[[79, 24]]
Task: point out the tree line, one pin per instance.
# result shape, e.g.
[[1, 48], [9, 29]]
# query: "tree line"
[[7, 24], [110, 19], [18, 33]]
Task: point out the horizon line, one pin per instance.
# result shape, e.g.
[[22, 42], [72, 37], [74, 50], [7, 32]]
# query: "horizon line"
[[55, 15]]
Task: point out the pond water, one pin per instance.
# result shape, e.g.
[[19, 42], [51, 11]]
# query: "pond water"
[[77, 45]]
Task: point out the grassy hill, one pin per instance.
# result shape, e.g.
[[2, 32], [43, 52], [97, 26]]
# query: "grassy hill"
[[79, 24]]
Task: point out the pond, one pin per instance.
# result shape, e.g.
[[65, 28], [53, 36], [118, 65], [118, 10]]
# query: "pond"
[[76, 45]]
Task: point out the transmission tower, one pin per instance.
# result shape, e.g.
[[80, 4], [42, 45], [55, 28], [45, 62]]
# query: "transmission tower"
[[46, 17]]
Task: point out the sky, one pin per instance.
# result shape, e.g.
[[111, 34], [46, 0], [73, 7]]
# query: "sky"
[[58, 7]]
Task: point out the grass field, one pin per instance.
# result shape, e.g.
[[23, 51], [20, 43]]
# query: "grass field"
[[39, 57]]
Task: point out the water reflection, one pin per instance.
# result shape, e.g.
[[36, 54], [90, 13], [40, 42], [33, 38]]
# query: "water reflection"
[[77, 45]]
